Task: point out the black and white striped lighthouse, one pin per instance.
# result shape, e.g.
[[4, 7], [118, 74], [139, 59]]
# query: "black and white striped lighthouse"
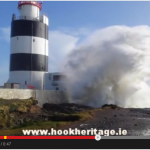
[[29, 46]]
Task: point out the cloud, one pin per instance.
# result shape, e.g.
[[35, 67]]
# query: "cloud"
[[60, 45], [4, 72], [76, 31], [4, 64], [5, 34]]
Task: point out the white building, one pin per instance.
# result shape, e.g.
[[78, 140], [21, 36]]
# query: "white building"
[[54, 81]]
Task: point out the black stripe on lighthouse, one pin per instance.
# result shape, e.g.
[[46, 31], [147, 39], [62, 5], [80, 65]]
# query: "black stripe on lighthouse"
[[29, 28], [28, 62]]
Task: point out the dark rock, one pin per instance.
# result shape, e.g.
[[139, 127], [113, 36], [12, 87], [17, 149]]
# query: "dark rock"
[[110, 105], [35, 102], [67, 108], [64, 118]]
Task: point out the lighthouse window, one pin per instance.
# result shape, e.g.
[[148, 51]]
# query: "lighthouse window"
[[57, 88], [33, 40], [17, 38], [56, 77]]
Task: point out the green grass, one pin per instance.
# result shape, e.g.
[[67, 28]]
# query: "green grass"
[[8, 118], [84, 115], [33, 125]]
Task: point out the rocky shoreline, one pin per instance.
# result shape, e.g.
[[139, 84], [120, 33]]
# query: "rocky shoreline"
[[16, 115]]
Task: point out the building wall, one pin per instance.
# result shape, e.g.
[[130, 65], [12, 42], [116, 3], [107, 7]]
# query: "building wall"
[[51, 84], [42, 96], [31, 77], [55, 97], [16, 94]]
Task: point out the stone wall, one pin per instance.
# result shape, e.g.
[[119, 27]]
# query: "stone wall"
[[42, 96], [50, 96]]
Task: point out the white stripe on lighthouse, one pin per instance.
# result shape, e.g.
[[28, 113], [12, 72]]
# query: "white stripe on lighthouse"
[[29, 44]]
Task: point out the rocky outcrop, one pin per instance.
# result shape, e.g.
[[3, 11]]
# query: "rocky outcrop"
[[14, 113], [67, 108], [110, 106]]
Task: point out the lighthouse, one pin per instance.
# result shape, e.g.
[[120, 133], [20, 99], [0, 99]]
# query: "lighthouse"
[[29, 46]]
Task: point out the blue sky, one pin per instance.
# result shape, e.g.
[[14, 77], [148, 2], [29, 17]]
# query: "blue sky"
[[70, 23]]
